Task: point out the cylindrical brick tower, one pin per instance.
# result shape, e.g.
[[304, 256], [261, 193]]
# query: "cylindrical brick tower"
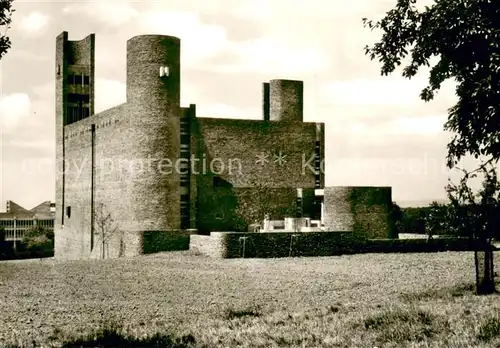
[[153, 101], [286, 100], [363, 210]]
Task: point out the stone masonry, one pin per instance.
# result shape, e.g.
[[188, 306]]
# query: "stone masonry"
[[121, 166]]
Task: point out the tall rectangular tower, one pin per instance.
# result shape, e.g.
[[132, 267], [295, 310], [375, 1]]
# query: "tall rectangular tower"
[[75, 66]]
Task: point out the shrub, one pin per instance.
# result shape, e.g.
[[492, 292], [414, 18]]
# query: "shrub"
[[38, 242], [6, 249], [405, 326]]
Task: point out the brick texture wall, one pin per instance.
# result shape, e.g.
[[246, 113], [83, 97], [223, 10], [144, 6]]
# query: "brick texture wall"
[[286, 100], [71, 56], [285, 244], [132, 142], [154, 113], [136, 147], [363, 210], [231, 150]]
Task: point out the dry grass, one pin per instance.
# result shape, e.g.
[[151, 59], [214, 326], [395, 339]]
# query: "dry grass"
[[372, 300]]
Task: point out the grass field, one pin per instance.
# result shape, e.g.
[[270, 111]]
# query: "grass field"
[[371, 300]]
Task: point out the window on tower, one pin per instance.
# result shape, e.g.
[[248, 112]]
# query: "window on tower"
[[78, 98]]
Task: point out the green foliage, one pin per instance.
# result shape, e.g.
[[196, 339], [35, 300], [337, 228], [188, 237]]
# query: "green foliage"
[[38, 241], [489, 330], [158, 241], [6, 12], [413, 220], [232, 313], [285, 244], [400, 326], [5, 247], [396, 216], [436, 219], [465, 37], [475, 214]]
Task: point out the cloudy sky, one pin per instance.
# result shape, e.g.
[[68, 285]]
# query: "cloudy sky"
[[378, 132]]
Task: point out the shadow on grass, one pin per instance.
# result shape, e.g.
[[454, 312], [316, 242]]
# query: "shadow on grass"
[[456, 291], [232, 313], [399, 326], [110, 336]]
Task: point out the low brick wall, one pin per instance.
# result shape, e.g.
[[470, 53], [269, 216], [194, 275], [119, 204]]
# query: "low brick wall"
[[273, 244], [211, 245], [285, 244], [157, 241]]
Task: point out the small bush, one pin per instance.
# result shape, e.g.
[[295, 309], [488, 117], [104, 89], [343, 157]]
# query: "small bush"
[[446, 293], [38, 242], [240, 313], [489, 330], [405, 326]]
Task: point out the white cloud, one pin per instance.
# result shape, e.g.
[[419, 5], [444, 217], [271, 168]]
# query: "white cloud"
[[109, 93], [114, 13], [253, 9], [268, 55], [14, 109], [374, 92], [430, 125], [221, 110], [396, 126], [32, 144], [199, 41], [34, 23]]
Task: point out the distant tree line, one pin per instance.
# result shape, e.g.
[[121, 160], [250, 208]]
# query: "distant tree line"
[[416, 219], [443, 219]]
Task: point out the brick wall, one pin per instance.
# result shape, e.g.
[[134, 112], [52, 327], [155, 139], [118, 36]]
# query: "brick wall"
[[364, 210], [212, 245], [286, 244], [235, 142], [274, 244], [153, 105], [228, 209], [137, 146], [70, 56], [133, 142], [286, 100], [231, 148]]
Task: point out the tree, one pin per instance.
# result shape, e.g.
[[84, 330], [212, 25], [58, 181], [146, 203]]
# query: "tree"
[[6, 12], [106, 228], [464, 36], [396, 216], [39, 241], [478, 216], [436, 219]]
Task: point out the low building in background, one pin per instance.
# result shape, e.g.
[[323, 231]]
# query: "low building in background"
[[17, 220]]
